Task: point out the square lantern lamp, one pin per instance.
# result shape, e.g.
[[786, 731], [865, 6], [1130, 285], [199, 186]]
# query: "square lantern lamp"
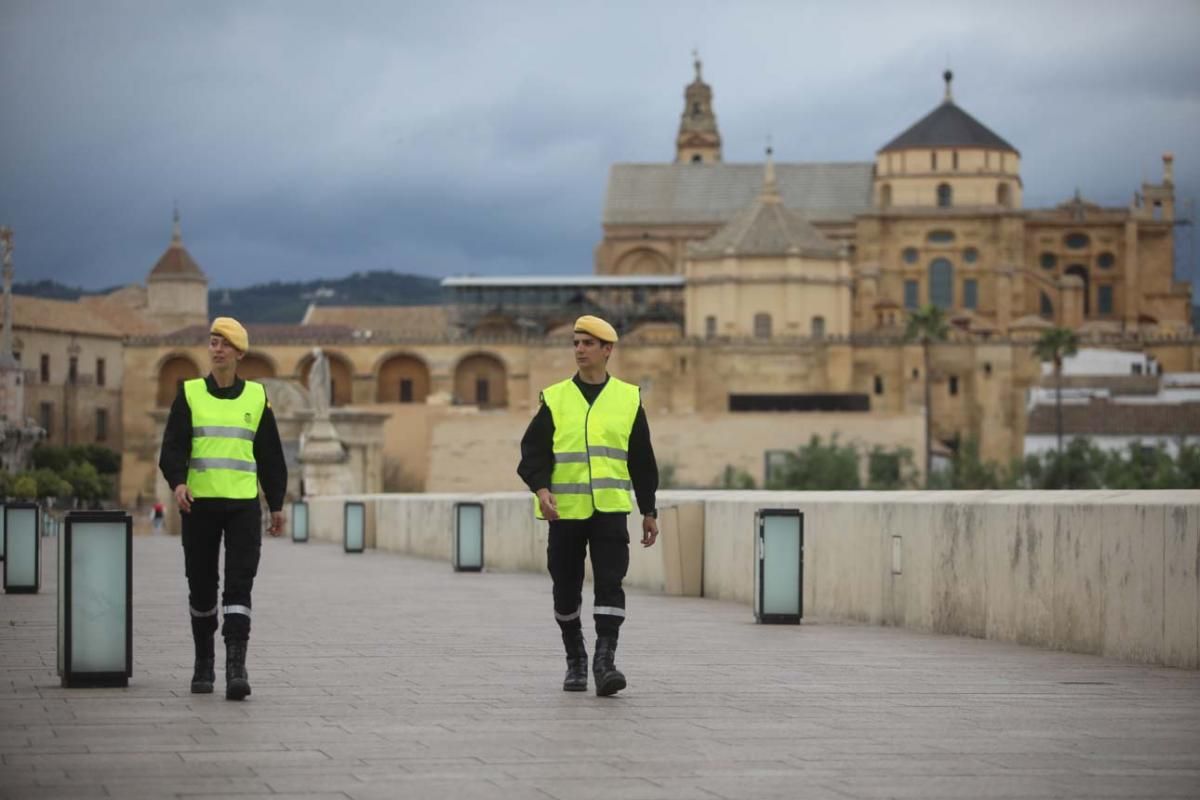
[[95, 599], [354, 528], [779, 566], [300, 521], [468, 537], [22, 548]]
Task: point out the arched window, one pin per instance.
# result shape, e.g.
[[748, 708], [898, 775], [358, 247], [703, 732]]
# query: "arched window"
[[818, 327], [1003, 198], [1081, 272], [402, 378], [481, 380], [945, 195], [173, 372], [762, 326], [941, 283], [885, 195], [697, 159]]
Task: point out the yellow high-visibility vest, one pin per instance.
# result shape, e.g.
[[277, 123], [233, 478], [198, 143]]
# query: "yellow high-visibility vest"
[[591, 448], [222, 462]]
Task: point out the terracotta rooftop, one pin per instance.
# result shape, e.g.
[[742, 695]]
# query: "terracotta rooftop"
[[1101, 417], [64, 316]]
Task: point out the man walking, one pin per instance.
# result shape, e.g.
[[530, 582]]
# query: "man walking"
[[220, 443], [587, 445]]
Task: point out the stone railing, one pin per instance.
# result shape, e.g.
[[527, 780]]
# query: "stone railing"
[[1102, 572]]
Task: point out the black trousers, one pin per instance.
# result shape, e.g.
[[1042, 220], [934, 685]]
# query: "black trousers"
[[203, 528], [608, 538]]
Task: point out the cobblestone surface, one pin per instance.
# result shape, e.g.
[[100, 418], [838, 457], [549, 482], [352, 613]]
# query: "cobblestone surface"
[[380, 676]]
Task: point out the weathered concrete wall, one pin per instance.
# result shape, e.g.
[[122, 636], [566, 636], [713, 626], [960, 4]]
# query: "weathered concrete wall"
[[1105, 572]]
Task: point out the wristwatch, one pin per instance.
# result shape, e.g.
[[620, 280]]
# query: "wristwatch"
[[651, 513]]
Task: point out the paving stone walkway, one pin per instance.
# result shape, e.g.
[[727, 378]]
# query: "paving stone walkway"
[[381, 676]]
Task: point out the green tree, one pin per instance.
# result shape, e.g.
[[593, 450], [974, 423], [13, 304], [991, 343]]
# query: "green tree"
[[819, 467], [25, 487], [968, 471], [735, 478], [86, 483], [1054, 346], [927, 325], [1144, 467], [891, 469], [1188, 462], [106, 460], [50, 484], [1081, 465]]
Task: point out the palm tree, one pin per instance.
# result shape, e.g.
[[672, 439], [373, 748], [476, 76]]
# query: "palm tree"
[[1055, 345], [927, 324]]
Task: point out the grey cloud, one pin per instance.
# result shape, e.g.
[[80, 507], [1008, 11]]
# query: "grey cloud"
[[303, 139]]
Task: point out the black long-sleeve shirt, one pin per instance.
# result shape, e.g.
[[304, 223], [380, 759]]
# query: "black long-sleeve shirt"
[[537, 450], [268, 450]]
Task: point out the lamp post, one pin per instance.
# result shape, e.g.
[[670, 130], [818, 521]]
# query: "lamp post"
[[779, 566], [299, 521], [468, 537], [354, 526], [95, 599], [22, 548]]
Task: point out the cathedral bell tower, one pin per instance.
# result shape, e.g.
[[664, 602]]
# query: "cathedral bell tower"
[[698, 141]]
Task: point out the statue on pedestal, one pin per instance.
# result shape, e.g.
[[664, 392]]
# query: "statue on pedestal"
[[322, 453]]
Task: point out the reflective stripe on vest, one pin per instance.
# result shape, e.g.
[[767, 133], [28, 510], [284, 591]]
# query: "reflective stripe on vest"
[[591, 448], [222, 461]]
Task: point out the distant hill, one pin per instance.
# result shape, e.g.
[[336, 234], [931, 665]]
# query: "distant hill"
[[287, 302], [55, 290]]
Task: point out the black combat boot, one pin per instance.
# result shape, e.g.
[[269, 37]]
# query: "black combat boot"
[[577, 668], [203, 675], [237, 682], [609, 679]]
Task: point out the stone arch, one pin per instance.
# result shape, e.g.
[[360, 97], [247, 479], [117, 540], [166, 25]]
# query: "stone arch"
[[173, 370], [255, 365], [341, 377], [1081, 272], [643, 261], [481, 379], [402, 378]]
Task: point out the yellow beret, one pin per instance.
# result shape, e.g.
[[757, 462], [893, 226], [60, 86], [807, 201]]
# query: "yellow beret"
[[596, 327], [233, 332]]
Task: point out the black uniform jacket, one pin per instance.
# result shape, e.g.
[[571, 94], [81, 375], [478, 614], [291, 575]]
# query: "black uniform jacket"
[[537, 451], [268, 451]]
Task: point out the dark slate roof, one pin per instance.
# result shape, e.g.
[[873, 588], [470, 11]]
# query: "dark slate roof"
[[948, 126], [642, 194]]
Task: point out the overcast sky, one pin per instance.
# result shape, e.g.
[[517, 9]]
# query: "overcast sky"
[[305, 140]]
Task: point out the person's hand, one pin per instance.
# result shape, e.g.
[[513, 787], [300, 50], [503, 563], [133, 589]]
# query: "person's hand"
[[276, 526], [548, 503], [183, 497], [649, 531]]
